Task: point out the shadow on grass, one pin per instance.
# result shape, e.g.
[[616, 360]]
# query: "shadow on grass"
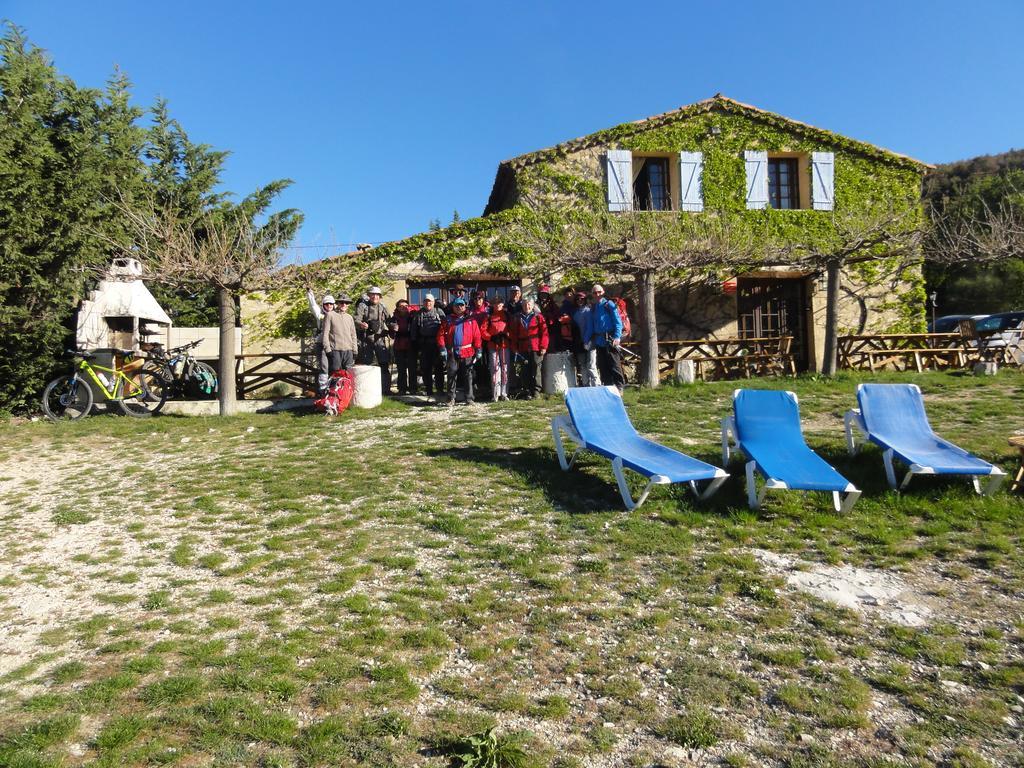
[[576, 491], [582, 490]]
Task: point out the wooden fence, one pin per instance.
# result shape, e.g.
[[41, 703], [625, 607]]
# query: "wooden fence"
[[254, 372]]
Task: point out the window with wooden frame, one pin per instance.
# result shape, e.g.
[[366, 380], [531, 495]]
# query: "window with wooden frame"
[[783, 183], [416, 293], [652, 186]]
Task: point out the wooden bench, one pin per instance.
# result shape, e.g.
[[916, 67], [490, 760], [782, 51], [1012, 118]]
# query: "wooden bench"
[[902, 352], [729, 358], [1018, 479]]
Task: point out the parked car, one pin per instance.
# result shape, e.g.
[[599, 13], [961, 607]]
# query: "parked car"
[[1001, 336], [1000, 322], [951, 323]]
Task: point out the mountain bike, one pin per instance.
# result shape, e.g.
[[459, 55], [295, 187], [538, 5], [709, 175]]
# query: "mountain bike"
[[71, 397], [180, 374]]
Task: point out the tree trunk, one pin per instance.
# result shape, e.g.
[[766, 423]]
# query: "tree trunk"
[[226, 373], [828, 366], [648, 329]]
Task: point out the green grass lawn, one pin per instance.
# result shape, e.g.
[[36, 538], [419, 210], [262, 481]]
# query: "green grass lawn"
[[368, 590]]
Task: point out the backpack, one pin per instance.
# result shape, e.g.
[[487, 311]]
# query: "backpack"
[[620, 305], [340, 388]]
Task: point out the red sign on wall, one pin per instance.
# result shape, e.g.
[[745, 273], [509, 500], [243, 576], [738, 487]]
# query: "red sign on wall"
[[729, 285]]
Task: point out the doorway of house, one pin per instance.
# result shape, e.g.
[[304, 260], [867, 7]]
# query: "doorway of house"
[[768, 307]]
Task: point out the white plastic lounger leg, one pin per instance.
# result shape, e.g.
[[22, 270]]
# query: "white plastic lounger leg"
[[906, 479], [728, 429], [995, 480], [712, 486], [557, 425], [753, 500], [845, 505], [890, 473], [627, 498], [853, 419]]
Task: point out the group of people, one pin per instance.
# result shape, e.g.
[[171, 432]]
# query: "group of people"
[[492, 346]]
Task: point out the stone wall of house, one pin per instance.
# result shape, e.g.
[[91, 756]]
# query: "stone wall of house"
[[869, 301]]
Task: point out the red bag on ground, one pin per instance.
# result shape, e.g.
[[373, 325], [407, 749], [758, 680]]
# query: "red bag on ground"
[[340, 388]]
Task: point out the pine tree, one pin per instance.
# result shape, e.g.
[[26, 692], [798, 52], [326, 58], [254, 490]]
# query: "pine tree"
[[62, 149], [74, 164]]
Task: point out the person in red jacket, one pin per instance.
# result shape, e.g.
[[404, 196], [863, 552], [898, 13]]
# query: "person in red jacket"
[[496, 333], [480, 310], [529, 343], [459, 341]]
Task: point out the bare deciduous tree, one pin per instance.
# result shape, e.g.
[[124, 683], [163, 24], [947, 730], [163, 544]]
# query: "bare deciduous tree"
[[984, 236], [649, 248], [856, 237], [221, 248]]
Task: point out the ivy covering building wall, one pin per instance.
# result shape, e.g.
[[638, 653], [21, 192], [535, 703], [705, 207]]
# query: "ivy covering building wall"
[[877, 298]]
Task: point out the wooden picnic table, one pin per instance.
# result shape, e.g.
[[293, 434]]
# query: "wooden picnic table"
[[728, 358], [903, 351], [1017, 442]]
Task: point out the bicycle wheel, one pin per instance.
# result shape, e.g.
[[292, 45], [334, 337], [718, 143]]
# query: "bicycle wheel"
[[158, 381], [135, 402], [67, 397], [202, 381], [156, 386]]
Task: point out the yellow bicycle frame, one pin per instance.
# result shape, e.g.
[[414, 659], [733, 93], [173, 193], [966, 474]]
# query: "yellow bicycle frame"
[[115, 391]]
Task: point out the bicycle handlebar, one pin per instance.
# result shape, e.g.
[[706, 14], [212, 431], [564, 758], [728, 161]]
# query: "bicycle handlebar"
[[183, 347]]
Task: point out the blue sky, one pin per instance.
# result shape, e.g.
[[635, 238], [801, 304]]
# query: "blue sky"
[[387, 114]]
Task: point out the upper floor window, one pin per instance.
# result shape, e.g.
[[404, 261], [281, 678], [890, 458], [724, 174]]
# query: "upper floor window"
[[659, 183], [652, 184], [790, 180], [783, 182]]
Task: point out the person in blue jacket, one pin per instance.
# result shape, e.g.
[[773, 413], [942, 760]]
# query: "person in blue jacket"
[[605, 333]]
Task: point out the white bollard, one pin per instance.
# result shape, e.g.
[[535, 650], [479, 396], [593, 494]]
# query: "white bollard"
[[557, 373], [686, 372], [367, 382]]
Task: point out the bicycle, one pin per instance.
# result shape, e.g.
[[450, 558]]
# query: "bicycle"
[[181, 375], [71, 397]]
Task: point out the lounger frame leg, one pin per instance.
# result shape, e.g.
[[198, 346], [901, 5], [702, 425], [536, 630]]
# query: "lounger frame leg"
[[627, 498], [711, 487], [995, 480], [844, 505], [852, 419], [754, 497], [890, 472], [558, 424], [728, 431]]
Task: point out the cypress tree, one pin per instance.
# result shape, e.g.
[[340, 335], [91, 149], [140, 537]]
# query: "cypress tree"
[[62, 151]]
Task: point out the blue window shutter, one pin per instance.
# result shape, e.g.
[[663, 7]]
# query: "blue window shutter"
[[691, 181], [823, 181], [757, 178], [620, 180]]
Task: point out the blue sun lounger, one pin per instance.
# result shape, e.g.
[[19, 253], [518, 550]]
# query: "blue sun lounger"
[[892, 417], [597, 422], [765, 427]]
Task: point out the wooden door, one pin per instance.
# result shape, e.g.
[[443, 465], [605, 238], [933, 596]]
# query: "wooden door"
[[772, 307]]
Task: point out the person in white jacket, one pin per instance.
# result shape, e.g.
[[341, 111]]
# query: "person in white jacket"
[[323, 359]]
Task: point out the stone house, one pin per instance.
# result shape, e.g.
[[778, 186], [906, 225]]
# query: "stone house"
[[713, 155]]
